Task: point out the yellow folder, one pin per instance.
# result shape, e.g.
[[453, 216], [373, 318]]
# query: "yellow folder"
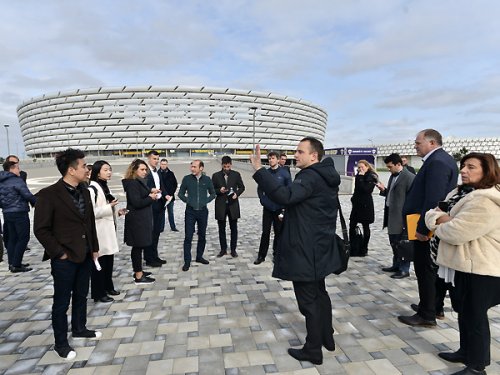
[[411, 226]]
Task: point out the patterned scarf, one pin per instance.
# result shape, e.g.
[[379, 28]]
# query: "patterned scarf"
[[434, 242]]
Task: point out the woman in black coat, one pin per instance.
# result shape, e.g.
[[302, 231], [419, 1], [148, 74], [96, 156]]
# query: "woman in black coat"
[[139, 219], [363, 211]]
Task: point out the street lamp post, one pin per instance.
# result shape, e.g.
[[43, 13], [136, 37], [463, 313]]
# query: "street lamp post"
[[8, 143], [253, 132], [220, 137]]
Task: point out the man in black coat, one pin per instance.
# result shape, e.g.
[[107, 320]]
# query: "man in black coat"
[[64, 224], [306, 251], [407, 166], [154, 181], [170, 183], [228, 186], [435, 179]]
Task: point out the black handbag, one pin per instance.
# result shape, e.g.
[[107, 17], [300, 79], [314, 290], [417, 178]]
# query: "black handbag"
[[404, 248], [357, 243], [343, 245]]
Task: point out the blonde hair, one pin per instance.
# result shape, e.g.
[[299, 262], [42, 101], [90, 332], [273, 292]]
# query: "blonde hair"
[[367, 165], [130, 173]]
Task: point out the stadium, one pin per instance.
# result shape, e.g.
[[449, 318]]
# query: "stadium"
[[174, 120]]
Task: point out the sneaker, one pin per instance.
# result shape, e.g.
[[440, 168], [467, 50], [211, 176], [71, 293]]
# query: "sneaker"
[[144, 280], [87, 334], [145, 273], [202, 261], [66, 352]]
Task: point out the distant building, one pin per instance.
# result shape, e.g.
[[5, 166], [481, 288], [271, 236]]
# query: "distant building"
[[175, 120]]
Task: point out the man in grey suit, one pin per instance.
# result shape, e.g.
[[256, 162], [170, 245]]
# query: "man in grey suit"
[[395, 192]]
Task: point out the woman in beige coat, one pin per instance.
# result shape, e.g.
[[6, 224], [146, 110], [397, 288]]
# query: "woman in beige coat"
[[104, 203], [469, 256]]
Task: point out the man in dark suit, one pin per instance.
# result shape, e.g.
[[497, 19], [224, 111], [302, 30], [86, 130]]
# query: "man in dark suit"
[[154, 181], [407, 166], [228, 186], [395, 192], [282, 162], [435, 179], [170, 183], [64, 224]]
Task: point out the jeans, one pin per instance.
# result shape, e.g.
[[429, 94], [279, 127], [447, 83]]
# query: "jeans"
[[404, 266], [18, 229], [269, 218], [233, 225], [71, 282], [170, 213], [195, 217]]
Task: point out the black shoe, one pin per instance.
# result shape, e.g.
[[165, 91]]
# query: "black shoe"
[[144, 280], [303, 355], [417, 321], [153, 264], [87, 334], [234, 254], [400, 275], [161, 261], [115, 292], [329, 343], [439, 314], [259, 261], [202, 261], [105, 299], [390, 269], [66, 352], [453, 357], [175, 230], [222, 253], [185, 267], [25, 264], [145, 273], [470, 371], [20, 269]]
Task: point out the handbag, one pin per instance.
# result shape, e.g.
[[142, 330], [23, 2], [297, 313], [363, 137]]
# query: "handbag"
[[404, 248], [343, 246], [357, 243]]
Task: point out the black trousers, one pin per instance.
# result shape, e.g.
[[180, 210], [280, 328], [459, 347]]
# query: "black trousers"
[[233, 226], [269, 218], [71, 283], [151, 252], [366, 234], [314, 303], [472, 297], [426, 274], [136, 255], [102, 281]]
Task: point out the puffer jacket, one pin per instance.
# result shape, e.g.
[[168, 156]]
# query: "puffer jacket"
[[14, 193]]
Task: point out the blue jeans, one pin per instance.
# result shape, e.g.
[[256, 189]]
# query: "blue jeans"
[[404, 266], [193, 218], [170, 213], [71, 282], [18, 229]]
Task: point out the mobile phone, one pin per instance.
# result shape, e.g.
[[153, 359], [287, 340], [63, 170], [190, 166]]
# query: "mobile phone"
[[443, 206]]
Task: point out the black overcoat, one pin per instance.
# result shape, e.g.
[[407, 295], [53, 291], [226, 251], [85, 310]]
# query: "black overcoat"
[[139, 219], [306, 248], [222, 200], [362, 200]]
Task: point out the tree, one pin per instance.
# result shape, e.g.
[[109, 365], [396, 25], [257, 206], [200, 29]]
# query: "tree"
[[460, 154]]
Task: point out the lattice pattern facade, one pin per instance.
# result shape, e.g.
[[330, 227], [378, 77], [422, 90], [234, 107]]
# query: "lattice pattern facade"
[[122, 120]]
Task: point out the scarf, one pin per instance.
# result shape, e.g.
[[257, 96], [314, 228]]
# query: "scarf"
[[104, 185]]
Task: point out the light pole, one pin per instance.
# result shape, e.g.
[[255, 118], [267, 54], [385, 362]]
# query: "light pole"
[[220, 137], [8, 143], [253, 132]]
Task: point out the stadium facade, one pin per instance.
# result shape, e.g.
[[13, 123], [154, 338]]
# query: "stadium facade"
[[174, 120]]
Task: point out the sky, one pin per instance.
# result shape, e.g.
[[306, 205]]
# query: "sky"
[[382, 70]]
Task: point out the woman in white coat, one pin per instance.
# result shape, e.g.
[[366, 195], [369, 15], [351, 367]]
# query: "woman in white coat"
[[104, 210], [468, 255]]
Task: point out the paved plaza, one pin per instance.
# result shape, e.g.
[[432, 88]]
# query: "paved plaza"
[[229, 317]]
